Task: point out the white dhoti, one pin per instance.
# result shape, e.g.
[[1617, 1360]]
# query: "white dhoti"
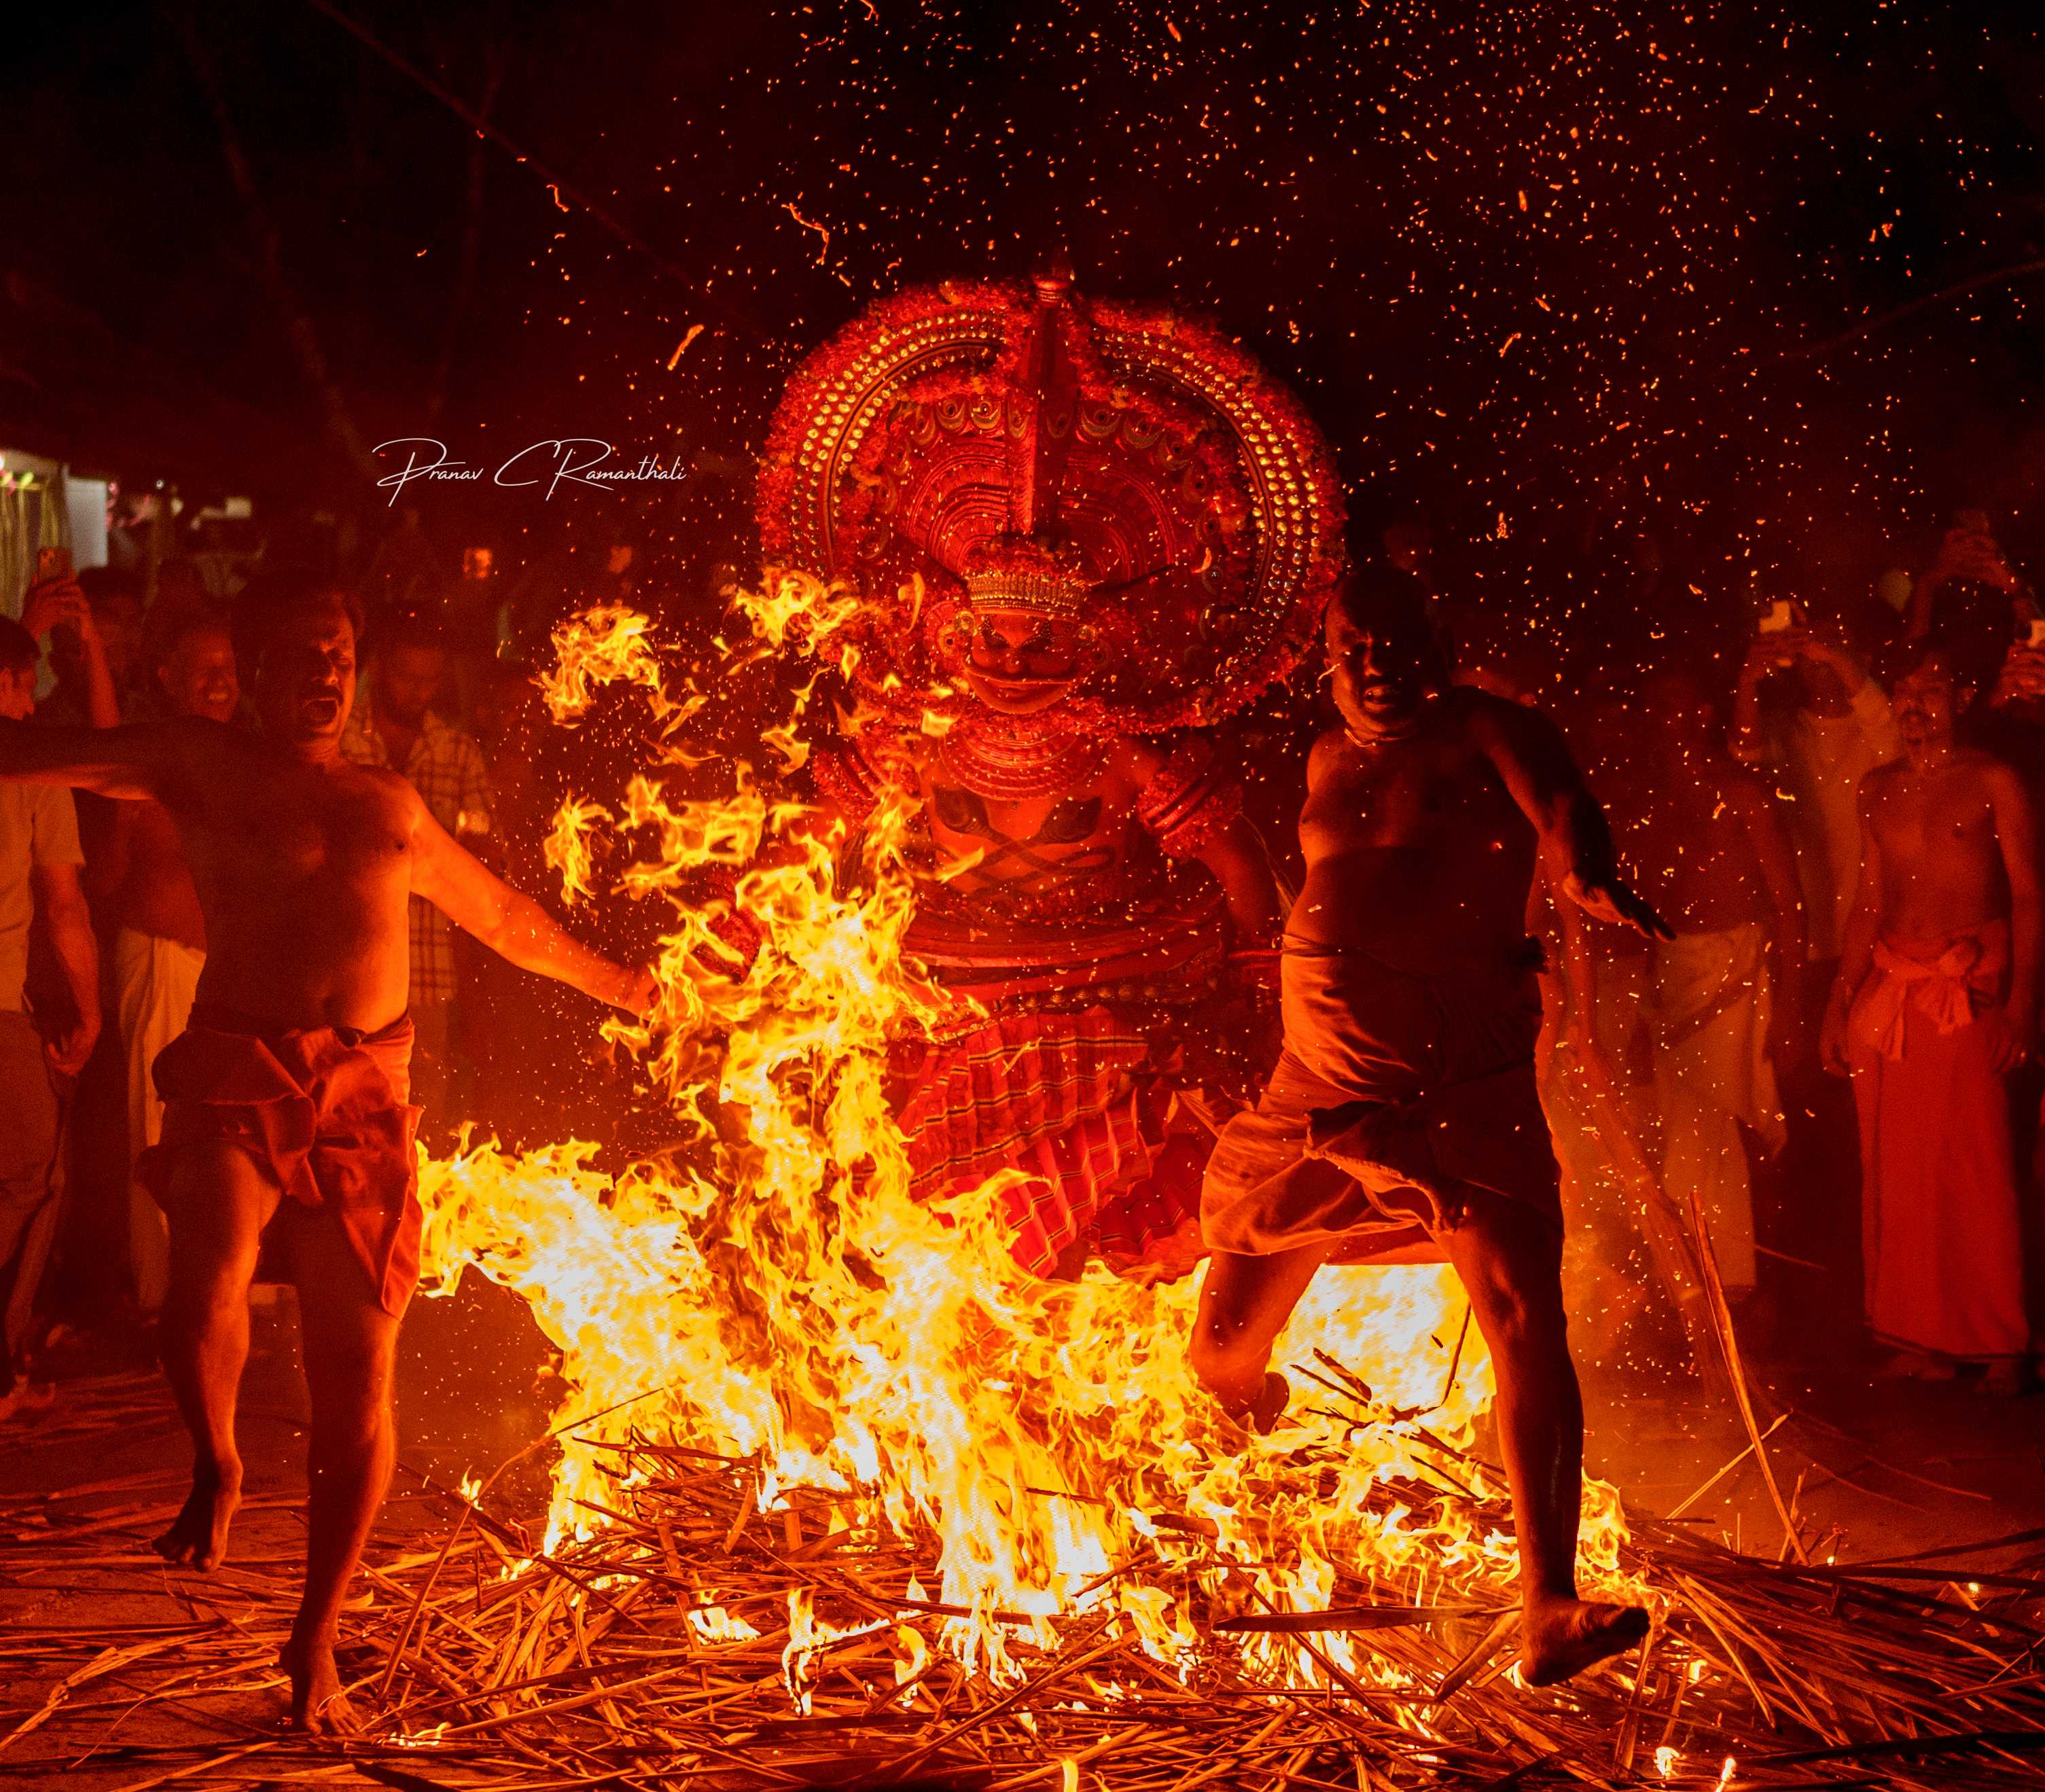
[[154, 980], [1709, 1011]]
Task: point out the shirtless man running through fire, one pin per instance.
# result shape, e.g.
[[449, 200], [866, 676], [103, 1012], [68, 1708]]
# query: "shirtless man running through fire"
[[1402, 1123], [287, 1131]]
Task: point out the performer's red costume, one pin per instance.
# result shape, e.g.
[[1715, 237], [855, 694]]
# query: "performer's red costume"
[[1081, 533]]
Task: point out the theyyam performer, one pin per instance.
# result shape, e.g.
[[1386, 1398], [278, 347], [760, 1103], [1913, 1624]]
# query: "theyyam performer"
[[1403, 1122], [1080, 532], [287, 1137]]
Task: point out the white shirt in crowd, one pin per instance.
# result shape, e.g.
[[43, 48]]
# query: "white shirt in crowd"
[[1818, 763]]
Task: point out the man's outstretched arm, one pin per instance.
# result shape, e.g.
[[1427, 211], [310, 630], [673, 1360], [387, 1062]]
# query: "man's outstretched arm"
[[514, 926], [114, 762], [1576, 844]]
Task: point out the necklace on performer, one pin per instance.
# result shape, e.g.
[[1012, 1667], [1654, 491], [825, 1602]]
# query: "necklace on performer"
[[1010, 761]]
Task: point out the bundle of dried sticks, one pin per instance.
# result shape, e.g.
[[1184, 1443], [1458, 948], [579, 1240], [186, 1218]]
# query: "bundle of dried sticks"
[[694, 1639]]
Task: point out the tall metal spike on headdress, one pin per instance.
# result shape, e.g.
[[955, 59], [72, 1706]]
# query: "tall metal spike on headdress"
[[1029, 566], [1048, 394]]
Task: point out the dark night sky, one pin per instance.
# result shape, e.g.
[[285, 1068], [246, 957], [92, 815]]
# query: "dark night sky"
[[1509, 255]]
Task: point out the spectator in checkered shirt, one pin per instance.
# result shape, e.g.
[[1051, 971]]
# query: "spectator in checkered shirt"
[[395, 725]]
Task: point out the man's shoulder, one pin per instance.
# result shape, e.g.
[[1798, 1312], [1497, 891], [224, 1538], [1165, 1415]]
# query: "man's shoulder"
[[377, 778], [199, 741], [1990, 771], [1468, 703], [1482, 719], [1981, 760], [39, 822], [1327, 744], [36, 804]]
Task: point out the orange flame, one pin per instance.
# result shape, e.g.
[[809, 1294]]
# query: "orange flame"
[[567, 848], [779, 1296], [598, 647]]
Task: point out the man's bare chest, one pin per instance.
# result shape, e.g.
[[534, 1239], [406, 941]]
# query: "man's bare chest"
[[292, 836], [1401, 795], [1912, 827]]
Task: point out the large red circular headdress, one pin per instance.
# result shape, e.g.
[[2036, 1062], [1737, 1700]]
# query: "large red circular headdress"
[[1017, 446]]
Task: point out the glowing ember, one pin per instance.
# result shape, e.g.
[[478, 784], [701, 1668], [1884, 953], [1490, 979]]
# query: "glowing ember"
[[773, 1293]]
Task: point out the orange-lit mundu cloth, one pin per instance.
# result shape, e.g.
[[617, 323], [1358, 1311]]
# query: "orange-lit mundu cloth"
[[1942, 1231], [323, 1112], [1941, 984], [1398, 1093]]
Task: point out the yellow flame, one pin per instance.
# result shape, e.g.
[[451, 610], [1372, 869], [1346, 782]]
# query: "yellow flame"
[[600, 646], [567, 848], [774, 1294]]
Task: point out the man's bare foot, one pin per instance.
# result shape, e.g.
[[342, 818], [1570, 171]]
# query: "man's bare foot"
[[1264, 1409], [318, 1706], [199, 1534], [1561, 1637]]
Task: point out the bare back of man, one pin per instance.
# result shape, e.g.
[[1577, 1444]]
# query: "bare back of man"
[[1408, 988], [303, 864]]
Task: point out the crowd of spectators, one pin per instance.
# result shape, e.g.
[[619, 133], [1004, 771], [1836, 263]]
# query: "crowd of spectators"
[[1827, 1072]]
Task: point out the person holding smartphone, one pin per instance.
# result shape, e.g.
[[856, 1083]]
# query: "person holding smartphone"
[[1968, 600]]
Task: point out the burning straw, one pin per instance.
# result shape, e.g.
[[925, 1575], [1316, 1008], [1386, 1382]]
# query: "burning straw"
[[841, 1498], [700, 1636]]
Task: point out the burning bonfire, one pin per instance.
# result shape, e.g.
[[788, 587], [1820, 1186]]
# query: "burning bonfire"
[[844, 1497], [789, 1304], [844, 1493]]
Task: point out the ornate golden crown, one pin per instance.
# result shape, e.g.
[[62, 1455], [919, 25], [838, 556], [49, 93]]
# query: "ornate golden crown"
[[1012, 571]]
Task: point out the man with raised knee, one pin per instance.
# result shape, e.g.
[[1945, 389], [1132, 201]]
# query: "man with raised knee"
[[286, 1148], [1403, 1122]]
